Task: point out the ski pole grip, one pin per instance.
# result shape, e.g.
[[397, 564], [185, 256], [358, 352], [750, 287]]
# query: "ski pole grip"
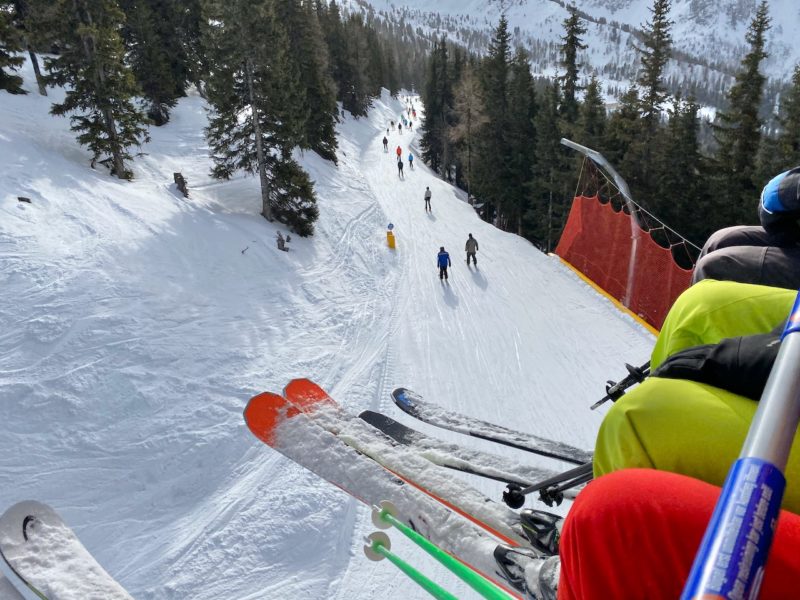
[[732, 556]]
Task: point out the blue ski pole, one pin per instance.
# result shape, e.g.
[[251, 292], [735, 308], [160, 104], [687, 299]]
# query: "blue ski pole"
[[732, 556]]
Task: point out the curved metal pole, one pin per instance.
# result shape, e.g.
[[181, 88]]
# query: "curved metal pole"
[[636, 228]]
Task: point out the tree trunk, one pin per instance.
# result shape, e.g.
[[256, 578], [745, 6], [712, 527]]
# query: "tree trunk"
[[36, 70], [99, 77], [266, 205]]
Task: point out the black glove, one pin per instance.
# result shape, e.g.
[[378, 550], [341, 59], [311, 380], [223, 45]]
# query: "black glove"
[[740, 365]]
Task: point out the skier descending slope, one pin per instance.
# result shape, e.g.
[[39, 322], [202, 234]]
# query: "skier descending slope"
[[443, 261]]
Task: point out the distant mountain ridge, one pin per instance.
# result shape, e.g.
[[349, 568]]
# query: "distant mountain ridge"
[[708, 36]]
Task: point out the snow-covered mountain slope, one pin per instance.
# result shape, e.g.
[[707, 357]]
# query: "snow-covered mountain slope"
[[135, 324], [708, 36]]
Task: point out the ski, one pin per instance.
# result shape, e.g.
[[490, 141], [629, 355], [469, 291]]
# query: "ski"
[[293, 432], [496, 518], [433, 414], [459, 458], [35, 544]]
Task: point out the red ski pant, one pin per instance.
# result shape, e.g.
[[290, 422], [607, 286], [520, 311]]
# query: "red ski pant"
[[634, 534]]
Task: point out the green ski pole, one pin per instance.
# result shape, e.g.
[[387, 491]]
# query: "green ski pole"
[[379, 547], [385, 517]]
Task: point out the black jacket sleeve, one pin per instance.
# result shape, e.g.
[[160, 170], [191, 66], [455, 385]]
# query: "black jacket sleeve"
[[740, 365]]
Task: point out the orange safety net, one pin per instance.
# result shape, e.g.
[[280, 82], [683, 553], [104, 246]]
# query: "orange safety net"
[[598, 242]]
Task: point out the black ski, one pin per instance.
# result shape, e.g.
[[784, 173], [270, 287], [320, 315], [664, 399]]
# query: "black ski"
[[433, 414]]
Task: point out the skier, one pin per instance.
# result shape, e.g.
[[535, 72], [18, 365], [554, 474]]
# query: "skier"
[[411, 160], [471, 248], [400, 168], [392, 123], [443, 260], [385, 144], [768, 254], [282, 242], [399, 128], [399, 153], [428, 199], [718, 381]]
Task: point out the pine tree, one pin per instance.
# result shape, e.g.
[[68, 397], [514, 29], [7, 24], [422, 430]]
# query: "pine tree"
[[10, 46], [572, 43], [592, 119], [470, 115], [155, 55], [654, 56], [737, 130], [681, 174], [623, 133], [30, 14], [437, 97], [789, 139], [249, 89], [100, 88], [315, 91], [521, 140], [493, 179], [546, 216]]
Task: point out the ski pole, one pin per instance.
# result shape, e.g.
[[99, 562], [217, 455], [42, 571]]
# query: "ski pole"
[[384, 517], [732, 556], [379, 547], [514, 494]]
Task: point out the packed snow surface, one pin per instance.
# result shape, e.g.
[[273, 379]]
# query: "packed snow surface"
[[135, 325]]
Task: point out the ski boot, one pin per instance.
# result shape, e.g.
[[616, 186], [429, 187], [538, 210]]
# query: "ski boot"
[[543, 530], [528, 572]]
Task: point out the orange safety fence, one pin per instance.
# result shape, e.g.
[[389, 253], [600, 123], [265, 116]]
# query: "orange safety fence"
[[599, 242]]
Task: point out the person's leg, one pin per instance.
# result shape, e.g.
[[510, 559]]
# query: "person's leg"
[[711, 310], [635, 533], [682, 427]]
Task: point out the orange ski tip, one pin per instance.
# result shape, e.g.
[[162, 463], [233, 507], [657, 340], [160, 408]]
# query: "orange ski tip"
[[306, 394], [265, 412]]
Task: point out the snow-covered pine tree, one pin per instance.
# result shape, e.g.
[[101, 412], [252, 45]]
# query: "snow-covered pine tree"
[[249, 88], [100, 88], [10, 47]]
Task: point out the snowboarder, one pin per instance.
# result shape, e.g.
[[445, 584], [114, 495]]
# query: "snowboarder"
[[385, 144], [471, 248], [443, 260], [400, 168], [399, 153], [411, 160], [428, 199]]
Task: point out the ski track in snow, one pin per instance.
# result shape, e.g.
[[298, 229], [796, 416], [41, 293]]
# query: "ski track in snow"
[[135, 324]]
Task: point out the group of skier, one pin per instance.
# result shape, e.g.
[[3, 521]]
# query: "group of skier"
[[665, 447], [443, 258]]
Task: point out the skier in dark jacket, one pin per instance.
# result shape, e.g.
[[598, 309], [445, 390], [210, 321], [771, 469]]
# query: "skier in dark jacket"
[[443, 260], [471, 248], [400, 168], [385, 144]]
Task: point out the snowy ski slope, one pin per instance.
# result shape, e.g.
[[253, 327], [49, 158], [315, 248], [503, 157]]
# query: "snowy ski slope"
[[135, 324]]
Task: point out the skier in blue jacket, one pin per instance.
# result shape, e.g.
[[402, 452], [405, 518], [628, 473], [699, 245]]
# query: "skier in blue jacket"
[[443, 260]]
